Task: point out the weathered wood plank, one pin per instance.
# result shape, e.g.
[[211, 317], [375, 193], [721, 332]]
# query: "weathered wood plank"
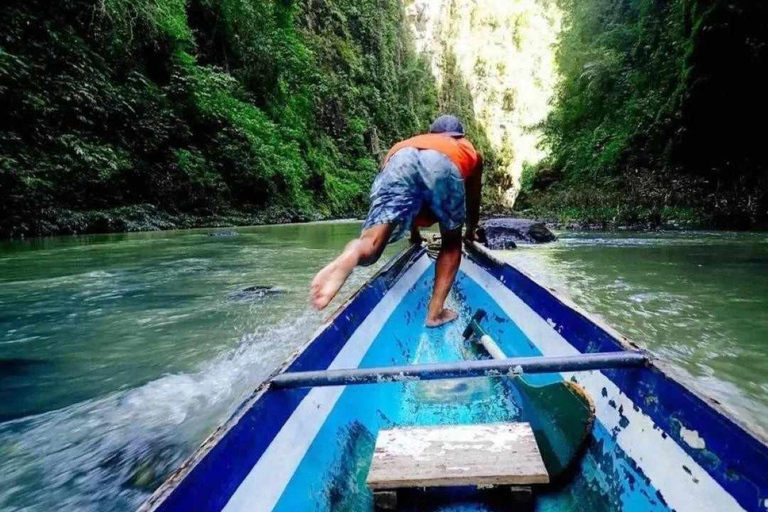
[[455, 455]]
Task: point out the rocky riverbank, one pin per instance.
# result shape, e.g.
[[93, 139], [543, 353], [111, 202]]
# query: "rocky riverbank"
[[627, 219], [145, 217]]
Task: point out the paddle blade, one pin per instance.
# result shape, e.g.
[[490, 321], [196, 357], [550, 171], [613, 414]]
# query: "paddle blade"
[[562, 415]]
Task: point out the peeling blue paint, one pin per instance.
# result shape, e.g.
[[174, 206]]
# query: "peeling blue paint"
[[330, 475], [661, 397]]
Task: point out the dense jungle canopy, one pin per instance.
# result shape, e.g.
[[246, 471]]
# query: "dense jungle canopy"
[[657, 116], [149, 114], [129, 114]]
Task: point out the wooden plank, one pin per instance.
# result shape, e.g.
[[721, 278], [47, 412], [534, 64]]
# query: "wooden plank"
[[456, 455]]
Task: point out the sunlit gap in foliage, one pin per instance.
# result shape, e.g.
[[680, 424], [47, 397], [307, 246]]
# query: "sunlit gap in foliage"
[[505, 51]]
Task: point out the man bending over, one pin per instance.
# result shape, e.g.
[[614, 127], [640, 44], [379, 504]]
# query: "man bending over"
[[435, 177]]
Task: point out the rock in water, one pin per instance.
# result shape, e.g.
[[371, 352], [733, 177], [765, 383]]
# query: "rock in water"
[[255, 292], [264, 290], [503, 233], [224, 234]]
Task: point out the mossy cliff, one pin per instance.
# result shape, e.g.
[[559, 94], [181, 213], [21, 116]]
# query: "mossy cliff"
[[153, 114], [179, 112], [657, 116]]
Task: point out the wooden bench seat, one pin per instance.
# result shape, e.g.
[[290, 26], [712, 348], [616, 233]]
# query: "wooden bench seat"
[[488, 455]]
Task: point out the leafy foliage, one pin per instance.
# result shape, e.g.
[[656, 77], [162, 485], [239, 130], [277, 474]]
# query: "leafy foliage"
[[199, 107], [657, 109], [455, 96]]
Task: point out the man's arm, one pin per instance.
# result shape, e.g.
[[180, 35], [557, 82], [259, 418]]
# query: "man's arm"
[[473, 190]]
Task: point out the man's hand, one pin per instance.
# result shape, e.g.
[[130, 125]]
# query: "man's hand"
[[475, 235]]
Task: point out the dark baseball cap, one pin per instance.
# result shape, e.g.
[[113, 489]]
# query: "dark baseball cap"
[[448, 125]]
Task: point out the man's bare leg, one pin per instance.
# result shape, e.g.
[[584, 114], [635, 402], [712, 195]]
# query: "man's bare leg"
[[360, 251], [447, 265]]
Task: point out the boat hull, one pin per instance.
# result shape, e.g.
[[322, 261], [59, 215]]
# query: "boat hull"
[[655, 444]]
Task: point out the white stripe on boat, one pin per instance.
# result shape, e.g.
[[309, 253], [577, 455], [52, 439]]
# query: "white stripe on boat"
[[659, 457], [264, 485]]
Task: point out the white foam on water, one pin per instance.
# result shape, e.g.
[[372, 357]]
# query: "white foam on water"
[[83, 457]]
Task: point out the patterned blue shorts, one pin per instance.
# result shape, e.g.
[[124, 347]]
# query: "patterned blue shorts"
[[413, 179]]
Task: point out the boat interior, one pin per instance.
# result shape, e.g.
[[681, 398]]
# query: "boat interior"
[[331, 475], [653, 445]]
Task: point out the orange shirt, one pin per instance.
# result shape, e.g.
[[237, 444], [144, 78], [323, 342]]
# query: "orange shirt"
[[458, 149], [461, 152]]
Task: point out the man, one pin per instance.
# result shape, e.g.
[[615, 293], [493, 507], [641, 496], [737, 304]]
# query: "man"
[[434, 177]]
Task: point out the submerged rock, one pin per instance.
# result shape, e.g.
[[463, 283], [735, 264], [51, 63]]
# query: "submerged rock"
[[224, 234], [144, 468], [504, 233], [16, 366], [265, 290], [255, 293], [144, 476]]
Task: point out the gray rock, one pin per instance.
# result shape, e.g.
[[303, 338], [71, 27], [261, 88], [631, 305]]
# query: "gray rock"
[[255, 293], [224, 234], [16, 366], [504, 233]]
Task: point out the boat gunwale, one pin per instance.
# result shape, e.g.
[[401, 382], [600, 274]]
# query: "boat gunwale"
[[733, 451], [396, 267], [654, 363], [400, 262]]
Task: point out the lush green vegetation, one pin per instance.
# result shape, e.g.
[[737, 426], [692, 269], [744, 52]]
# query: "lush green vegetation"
[[136, 114], [658, 115], [152, 114], [455, 96]]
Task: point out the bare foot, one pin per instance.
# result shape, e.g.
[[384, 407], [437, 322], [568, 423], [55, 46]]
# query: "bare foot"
[[445, 316], [327, 284]]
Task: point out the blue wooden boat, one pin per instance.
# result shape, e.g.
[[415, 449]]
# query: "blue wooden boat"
[[303, 441]]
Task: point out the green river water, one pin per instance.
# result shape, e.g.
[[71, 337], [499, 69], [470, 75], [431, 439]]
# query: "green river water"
[[119, 353]]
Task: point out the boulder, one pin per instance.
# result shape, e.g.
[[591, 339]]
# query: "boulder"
[[256, 292], [504, 233]]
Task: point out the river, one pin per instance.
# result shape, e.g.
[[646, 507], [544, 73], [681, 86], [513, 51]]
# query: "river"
[[119, 353]]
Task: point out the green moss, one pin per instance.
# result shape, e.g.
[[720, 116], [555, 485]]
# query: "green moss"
[[640, 117], [200, 108]]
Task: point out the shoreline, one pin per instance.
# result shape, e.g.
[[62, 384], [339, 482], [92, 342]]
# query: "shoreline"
[[672, 219], [149, 218]]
